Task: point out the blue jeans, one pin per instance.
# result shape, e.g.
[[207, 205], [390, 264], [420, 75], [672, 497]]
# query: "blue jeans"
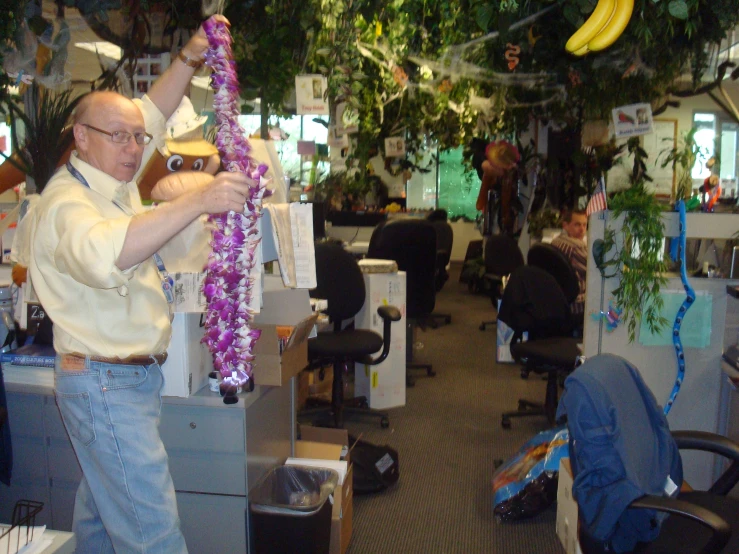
[[126, 500]]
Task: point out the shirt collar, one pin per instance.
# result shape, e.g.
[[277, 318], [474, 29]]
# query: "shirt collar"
[[99, 181]]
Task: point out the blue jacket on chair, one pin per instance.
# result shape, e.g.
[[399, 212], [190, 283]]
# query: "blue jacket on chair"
[[620, 448]]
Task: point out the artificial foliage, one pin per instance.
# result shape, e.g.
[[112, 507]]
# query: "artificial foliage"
[[639, 263]]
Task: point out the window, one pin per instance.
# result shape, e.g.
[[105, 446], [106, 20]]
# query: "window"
[[717, 135]]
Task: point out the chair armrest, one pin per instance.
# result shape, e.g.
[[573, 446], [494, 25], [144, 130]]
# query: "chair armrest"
[[720, 530], [717, 444], [389, 312]]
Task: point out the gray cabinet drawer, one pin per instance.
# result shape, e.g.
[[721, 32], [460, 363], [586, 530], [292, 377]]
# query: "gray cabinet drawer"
[[206, 429], [206, 449], [213, 523]]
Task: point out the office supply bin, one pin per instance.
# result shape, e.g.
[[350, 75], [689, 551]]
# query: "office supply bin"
[[289, 510]]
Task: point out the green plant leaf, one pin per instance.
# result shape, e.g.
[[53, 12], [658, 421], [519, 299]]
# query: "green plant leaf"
[[678, 9]]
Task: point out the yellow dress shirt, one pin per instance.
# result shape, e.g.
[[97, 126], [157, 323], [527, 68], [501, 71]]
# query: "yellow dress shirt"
[[97, 309]]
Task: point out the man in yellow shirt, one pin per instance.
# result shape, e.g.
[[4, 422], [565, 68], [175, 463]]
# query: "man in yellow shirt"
[[94, 269]]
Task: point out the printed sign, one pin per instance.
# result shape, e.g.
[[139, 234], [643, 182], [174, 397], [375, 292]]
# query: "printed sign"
[[310, 95], [394, 147], [632, 120], [347, 121]]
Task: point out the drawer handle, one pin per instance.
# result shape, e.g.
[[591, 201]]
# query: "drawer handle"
[[192, 425]]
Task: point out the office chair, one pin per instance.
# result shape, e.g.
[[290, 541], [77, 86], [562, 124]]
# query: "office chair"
[[554, 262], [533, 303], [502, 257], [412, 244], [621, 452], [341, 283], [444, 242]]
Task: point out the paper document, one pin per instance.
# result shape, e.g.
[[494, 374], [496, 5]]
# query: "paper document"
[[292, 239], [21, 539]]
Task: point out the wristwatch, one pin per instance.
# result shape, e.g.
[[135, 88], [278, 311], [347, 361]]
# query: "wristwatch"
[[189, 61]]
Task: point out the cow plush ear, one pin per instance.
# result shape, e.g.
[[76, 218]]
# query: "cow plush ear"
[[176, 184]]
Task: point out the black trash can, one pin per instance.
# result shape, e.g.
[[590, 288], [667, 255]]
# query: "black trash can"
[[289, 510]]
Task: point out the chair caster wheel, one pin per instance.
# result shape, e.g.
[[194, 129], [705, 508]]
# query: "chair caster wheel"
[[384, 423], [448, 319], [505, 423], [521, 406], [410, 382], [430, 372], [434, 325], [363, 404], [482, 327], [524, 374]]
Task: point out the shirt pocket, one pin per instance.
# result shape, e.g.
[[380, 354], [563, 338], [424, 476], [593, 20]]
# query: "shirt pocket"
[[76, 411]]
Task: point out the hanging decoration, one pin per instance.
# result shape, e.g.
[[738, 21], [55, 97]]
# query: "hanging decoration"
[[229, 281], [511, 54], [612, 317], [677, 252]]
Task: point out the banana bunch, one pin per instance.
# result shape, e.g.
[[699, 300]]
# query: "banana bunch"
[[603, 27]]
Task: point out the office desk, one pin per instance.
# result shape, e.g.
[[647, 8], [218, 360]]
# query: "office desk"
[[216, 454]]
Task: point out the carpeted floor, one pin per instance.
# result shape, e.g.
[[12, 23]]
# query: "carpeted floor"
[[448, 436]]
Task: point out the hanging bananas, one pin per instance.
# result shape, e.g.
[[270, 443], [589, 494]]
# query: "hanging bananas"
[[603, 27]]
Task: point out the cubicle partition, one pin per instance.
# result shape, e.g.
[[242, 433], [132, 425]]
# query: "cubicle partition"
[[701, 403]]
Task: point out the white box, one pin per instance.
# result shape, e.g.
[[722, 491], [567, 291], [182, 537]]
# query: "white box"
[[383, 384], [567, 510], [188, 361], [504, 335]]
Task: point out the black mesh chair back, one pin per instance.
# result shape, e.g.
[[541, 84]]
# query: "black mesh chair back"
[[340, 281], [411, 243], [444, 242], [554, 262], [502, 255], [534, 303]]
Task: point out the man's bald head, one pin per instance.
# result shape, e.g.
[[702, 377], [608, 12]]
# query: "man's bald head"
[[97, 117], [93, 101]]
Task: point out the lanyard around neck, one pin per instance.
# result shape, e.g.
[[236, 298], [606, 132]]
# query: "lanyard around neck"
[[167, 281]]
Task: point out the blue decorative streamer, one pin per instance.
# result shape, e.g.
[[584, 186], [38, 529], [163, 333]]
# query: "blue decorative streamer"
[[678, 253]]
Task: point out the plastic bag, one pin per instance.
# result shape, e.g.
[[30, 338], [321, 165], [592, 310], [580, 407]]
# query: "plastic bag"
[[290, 489], [526, 484]]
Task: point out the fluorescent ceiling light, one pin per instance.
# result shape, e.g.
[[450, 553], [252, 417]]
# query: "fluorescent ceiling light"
[[104, 48]]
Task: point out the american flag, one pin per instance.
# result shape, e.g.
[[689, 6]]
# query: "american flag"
[[597, 202]]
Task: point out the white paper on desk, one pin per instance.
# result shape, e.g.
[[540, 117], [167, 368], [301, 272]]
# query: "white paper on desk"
[[301, 223], [255, 275], [19, 539]]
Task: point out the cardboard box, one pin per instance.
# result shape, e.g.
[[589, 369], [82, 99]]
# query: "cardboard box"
[[567, 510], [383, 385], [188, 360], [328, 444], [275, 366]]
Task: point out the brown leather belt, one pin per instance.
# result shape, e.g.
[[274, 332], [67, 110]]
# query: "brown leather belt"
[[76, 360]]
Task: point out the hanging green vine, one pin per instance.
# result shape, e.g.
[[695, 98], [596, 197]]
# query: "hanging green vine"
[[639, 263]]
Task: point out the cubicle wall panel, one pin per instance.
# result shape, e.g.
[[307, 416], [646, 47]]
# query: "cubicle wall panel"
[[699, 403], [62, 496], [213, 523], [24, 490], [25, 415]]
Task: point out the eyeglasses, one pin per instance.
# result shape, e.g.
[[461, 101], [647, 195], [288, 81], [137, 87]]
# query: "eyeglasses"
[[122, 137]]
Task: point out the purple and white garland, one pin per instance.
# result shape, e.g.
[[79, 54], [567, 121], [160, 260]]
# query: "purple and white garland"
[[228, 285]]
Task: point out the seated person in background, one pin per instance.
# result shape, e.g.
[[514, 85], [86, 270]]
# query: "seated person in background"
[[570, 242]]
